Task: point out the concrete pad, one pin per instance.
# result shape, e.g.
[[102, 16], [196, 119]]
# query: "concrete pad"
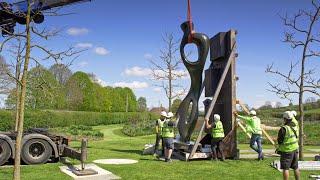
[[115, 161], [102, 173], [303, 165]]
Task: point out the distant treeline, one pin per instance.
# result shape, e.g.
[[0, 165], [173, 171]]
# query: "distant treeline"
[[312, 111], [58, 89]]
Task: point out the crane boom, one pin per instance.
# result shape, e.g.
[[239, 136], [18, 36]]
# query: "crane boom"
[[10, 14]]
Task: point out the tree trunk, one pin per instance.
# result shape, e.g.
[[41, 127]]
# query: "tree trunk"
[[301, 110], [18, 66], [17, 106], [16, 173], [170, 88]]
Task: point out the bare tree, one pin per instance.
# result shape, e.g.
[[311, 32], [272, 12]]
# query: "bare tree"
[[304, 36], [61, 72], [167, 69], [30, 37], [5, 80]]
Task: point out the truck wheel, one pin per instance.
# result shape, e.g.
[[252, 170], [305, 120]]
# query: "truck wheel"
[[5, 152], [36, 151]]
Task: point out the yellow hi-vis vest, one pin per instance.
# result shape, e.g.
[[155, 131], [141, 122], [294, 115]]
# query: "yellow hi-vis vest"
[[296, 127], [218, 131], [167, 131], [290, 142], [159, 127]]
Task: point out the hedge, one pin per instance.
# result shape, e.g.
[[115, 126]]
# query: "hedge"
[[52, 119]]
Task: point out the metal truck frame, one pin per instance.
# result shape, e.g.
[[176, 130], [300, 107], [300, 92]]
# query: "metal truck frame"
[[38, 147]]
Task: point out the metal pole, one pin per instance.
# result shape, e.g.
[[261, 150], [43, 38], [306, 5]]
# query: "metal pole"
[[84, 152]]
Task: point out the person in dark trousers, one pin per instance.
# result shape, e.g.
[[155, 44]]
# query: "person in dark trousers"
[[168, 136], [288, 147], [159, 126], [253, 126], [217, 134]]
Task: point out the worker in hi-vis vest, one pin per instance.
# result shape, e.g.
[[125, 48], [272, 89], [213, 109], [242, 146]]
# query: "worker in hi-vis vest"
[[288, 147], [159, 125], [294, 121], [217, 134], [168, 136], [253, 126]]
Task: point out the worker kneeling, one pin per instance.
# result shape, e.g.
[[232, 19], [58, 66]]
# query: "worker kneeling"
[[168, 135], [288, 147], [217, 134]]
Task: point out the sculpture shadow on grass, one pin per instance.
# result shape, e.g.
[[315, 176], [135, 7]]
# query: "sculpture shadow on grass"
[[131, 151]]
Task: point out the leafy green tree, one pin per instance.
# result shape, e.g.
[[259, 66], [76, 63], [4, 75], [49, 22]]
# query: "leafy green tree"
[[80, 92], [142, 104], [43, 91]]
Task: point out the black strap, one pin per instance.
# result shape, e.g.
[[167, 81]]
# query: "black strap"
[[294, 131]]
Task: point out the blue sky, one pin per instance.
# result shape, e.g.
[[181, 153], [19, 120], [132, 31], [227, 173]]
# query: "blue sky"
[[123, 34]]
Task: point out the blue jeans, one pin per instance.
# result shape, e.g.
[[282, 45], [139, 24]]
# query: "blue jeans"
[[256, 144]]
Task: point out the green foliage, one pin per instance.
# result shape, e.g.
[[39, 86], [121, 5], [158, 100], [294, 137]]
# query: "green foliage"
[[85, 95], [56, 89], [137, 126], [43, 92], [175, 105], [80, 92], [142, 104], [79, 131], [52, 119]]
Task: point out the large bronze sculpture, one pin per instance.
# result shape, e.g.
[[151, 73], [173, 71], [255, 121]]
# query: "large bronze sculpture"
[[187, 120], [220, 86]]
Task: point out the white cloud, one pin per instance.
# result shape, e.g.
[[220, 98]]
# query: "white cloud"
[[84, 45], [77, 31], [157, 89], [101, 82], [137, 71], [101, 51], [132, 85], [83, 63], [147, 56], [143, 72]]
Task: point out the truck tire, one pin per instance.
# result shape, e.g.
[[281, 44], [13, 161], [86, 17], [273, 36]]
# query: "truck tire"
[[5, 152], [36, 151]]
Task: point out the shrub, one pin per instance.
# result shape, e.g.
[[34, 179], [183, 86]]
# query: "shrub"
[[139, 127], [79, 131]]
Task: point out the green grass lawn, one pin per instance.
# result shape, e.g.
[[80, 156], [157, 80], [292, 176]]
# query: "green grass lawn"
[[117, 145]]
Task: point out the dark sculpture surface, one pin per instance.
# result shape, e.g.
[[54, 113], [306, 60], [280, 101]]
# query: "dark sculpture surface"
[[187, 119]]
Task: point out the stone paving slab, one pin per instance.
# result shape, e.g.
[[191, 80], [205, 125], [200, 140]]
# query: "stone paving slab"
[[102, 173]]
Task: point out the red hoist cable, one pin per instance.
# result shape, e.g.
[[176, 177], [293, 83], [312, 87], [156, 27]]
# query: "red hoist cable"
[[190, 22]]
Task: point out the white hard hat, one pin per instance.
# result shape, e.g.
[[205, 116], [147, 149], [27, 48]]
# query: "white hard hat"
[[163, 113], [170, 115], [253, 113], [294, 113], [216, 117], [287, 115]]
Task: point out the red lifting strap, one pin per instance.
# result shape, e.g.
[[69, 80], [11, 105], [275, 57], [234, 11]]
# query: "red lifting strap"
[[190, 22]]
